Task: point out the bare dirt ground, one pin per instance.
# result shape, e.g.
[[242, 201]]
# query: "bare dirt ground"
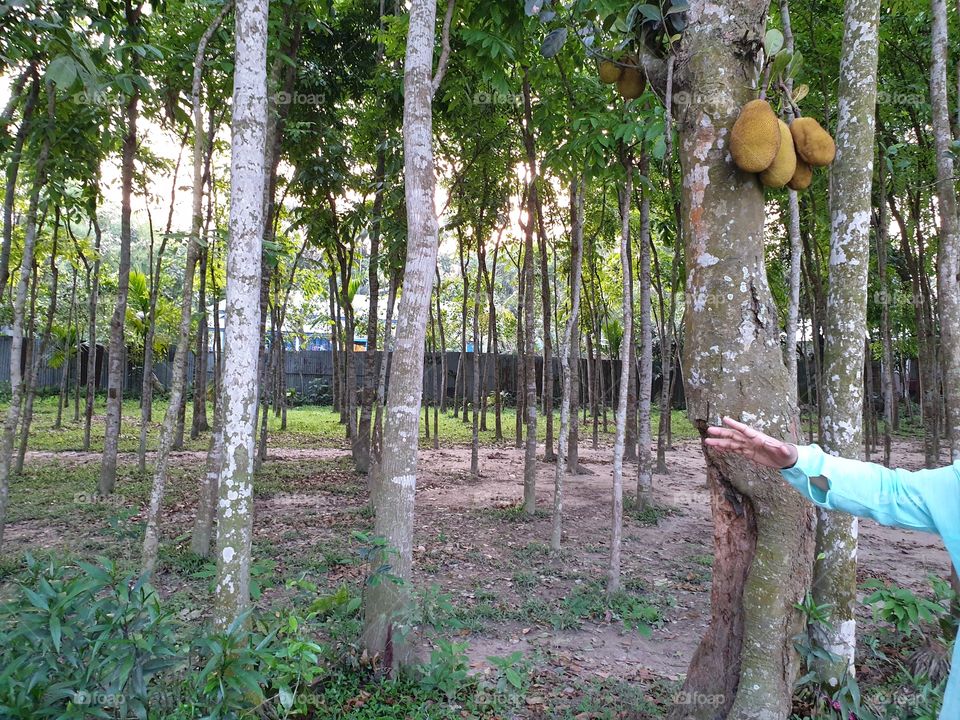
[[473, 543]]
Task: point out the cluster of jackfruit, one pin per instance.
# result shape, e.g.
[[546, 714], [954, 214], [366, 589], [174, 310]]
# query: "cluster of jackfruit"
[[760, 142], [630, 80]]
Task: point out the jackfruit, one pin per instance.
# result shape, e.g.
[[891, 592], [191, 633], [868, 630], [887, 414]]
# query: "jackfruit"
[[632, 83], [784, 164], [755, 137], [801, 176], [813, 143], [610, 72]]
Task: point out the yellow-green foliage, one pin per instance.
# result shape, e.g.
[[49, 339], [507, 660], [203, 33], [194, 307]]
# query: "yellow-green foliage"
[[784, 164], [813, 143], [801, 176], [755, 137], [610, 72]]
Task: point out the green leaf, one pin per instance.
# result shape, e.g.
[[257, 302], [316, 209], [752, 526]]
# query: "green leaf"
[[553, 42], [651, 12], [513, 677], [772, 42], [62, 71], [55, 631]]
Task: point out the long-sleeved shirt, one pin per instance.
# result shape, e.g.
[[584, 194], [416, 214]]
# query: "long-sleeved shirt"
[[927, 500]]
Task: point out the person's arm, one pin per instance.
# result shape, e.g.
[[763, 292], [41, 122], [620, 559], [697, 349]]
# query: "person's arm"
[[924, 500], [891, 497]]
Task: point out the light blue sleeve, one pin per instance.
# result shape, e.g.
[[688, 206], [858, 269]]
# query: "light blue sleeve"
[[922, 500]]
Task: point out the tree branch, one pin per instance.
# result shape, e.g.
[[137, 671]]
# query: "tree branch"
[[445, 47]]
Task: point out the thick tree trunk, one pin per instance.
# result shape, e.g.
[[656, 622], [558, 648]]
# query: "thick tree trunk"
[[241, 346], [395, 487], [745, 665], [851, 175], [577, 191]]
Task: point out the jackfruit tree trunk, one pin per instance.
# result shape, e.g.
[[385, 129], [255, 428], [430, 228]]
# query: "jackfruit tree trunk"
[[851, 175], [948, 258], [745, 665], [242, 310], [567, 368], [387, 603], [645, 371], [623, 387]]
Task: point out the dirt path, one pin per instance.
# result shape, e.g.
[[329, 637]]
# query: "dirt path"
[[473, 544]]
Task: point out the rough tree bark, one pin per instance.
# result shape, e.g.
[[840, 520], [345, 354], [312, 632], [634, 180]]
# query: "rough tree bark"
[[395, 486], [851, 177], [745, 665], [242, 343]]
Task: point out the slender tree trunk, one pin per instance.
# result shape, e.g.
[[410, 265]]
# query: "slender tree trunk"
[[361, 445], [39, 358], [851, 175], [577, 191], [645, 371], [948, 257], [886, 339], [241, 347], [623, 389], [146, 385], [151, 542], [384, 367], [475, 444], [12, 171], [65, 368], [394, 490], [108, 469], [530, 363], [19, 305], [94, 289], [793, 232]]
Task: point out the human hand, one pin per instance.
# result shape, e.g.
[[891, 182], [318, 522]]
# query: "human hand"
[[752, 444]]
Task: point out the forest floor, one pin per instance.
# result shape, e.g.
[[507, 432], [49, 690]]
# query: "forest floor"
[[482, 564]]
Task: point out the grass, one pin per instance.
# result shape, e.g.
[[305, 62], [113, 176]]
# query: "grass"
[[307, 427]]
